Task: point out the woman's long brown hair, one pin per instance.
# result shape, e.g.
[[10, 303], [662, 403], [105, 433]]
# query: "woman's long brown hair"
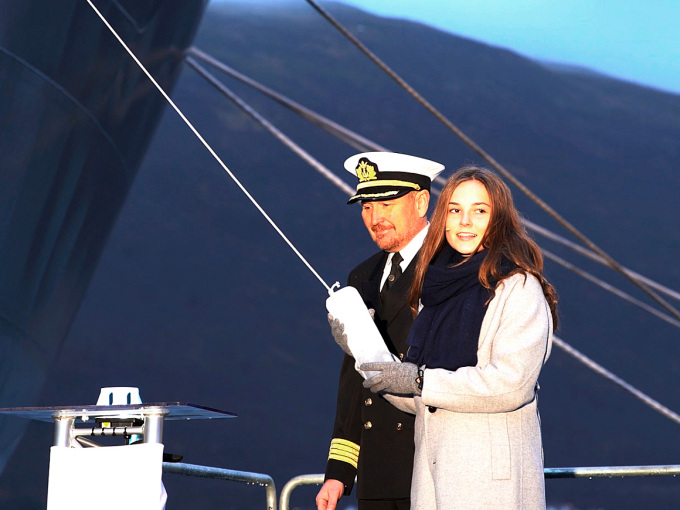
[[504, 237]]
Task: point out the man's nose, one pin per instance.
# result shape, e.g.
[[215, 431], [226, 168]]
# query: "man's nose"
[[376, 216]]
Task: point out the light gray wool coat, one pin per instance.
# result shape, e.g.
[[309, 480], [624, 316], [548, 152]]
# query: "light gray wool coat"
[[481, 448]]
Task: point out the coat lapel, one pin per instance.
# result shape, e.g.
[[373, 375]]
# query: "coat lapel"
[[370, 289], [396, 298]]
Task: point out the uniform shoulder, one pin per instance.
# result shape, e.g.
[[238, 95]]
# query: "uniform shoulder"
[[369, 264]]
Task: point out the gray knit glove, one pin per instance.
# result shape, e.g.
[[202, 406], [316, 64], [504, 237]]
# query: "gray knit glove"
[[338, 331], [394, 377]]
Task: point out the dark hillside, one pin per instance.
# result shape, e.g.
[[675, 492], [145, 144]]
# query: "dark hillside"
[[197, 299]]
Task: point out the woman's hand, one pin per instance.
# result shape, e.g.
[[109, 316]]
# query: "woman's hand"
[[394, 377]]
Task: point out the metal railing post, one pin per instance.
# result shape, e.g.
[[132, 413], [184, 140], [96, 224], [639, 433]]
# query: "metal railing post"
[[293, 483], [265, 481]]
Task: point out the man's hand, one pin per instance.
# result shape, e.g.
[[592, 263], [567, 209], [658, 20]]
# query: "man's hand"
[[394, 377], [338, 332], [329, 495]]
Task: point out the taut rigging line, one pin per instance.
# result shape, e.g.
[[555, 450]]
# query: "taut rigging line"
[[351, 138], [579, 356], [495, 164]]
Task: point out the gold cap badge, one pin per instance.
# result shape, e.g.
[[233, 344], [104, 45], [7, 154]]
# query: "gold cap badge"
[[366, 170]]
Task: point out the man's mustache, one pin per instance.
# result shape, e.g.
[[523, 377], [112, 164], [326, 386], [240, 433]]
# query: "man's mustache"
[[380, 228]]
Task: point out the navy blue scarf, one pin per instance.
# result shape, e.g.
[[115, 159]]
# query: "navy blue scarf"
[[445, 334]]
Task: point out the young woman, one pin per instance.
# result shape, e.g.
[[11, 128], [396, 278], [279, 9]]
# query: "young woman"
[[483, 332]]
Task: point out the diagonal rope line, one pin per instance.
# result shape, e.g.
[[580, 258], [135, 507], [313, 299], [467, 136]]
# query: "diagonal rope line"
[[208, 147], [319, 167], [350, 137], [468, 141], [654, 404], [592, 256], [623, 295]]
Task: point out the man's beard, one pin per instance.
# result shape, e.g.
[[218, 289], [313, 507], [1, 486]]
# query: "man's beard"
[[391, 242]]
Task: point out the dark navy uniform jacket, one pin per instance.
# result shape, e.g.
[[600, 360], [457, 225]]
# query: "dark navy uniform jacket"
[[367, 426]]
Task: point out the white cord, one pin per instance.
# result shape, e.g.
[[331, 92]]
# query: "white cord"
[[207, 146]]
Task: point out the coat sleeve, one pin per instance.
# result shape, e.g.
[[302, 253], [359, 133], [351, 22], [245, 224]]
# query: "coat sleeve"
[[343, 455], [515, 340], [406, 404]]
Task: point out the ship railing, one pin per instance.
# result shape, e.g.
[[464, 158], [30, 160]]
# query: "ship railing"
[[611, 471], [267, 482]]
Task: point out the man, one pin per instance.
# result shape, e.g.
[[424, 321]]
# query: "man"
[[372, 439]]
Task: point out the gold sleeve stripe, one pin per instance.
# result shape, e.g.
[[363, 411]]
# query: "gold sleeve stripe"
[[344, 451], [344, 443], [337, 442], [347, 452], [349, 460], [371, 184]]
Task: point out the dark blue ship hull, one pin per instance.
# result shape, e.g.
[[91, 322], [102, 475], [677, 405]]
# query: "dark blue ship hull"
[[76, 117]]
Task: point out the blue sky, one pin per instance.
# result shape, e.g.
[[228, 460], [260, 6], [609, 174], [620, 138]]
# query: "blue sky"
[[637, 40]]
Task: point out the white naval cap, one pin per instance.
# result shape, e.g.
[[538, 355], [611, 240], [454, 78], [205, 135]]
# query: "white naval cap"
[[388, 175]]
